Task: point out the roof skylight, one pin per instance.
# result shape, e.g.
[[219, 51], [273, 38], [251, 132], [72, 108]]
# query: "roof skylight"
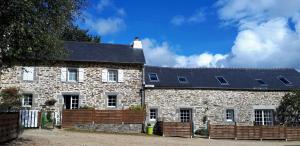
[[153, 77], [222, 80]]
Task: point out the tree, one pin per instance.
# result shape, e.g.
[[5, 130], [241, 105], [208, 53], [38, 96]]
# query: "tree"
[[31, 30], [74, 33], [288, 112]]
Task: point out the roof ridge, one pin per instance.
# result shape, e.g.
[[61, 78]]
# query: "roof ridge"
[[229, 68], [94, 43]]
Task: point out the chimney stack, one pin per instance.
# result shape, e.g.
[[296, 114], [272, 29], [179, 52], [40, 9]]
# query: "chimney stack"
[[137, 44]]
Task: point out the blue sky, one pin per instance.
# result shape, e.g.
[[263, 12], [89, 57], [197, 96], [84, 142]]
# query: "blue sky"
[[206, 33]]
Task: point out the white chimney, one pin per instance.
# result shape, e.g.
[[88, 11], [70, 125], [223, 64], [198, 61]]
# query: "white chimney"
[[137, 44]]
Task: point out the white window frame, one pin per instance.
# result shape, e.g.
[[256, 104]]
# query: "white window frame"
[[25, 100], [108, 75], [263, 113], [230, 115], [108, 101], [74, 98], [149, 75], [153, 113], [187, 113], [68, 74]]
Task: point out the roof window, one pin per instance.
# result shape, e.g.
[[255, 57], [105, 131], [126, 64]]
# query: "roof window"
[[153, 77], [285, 81], [222, 80], [261, 82], [182, 79]]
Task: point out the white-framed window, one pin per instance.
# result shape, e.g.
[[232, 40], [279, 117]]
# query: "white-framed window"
[[153, 77], [112, 75], [72, 75], [71, 101], [28, 73], [27, 100], [263, 116], [112, 100], [230, 115], [153, 114], [185, 115]]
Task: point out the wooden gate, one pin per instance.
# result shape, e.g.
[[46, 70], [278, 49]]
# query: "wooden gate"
[[29, 118]]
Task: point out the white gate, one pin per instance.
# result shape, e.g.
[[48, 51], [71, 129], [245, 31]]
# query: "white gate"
[[29, 118]]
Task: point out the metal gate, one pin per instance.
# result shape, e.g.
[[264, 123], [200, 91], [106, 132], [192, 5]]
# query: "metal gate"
[[29, 118]]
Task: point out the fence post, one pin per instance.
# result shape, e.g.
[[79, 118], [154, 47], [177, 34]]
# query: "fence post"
[[191, 129], [285, 135], [163, 127], [260, 132], [208, 128], [235, 131]]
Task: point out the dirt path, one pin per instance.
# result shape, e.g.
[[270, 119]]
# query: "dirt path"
[[71, 138]]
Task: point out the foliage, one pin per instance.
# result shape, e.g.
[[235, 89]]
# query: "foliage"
[[203, 132], [87, 107], [288, 112], [74, 33], [10, 99], [31, 30], [49, 116], [137, 108], [50, 102]]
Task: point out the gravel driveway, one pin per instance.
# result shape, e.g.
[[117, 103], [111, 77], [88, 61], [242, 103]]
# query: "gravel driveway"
[[72, 138]]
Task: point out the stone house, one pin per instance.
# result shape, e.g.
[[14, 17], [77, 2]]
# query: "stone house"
[[221, 95], [104, 76]]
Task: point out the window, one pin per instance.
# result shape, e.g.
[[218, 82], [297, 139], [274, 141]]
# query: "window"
[[182, 79], [222, 80], [153, 114], [71, 101], [72, 75], [230, 115], [261, 82], [263, 117], [285, 81], [185, 115], [27, 100], [112, 101], [112, 75], [28, 73], [153, 77]]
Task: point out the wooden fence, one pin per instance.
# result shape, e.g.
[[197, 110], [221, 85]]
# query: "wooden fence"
[[73, 117], [9, 126], [254, 132], [175, 129]]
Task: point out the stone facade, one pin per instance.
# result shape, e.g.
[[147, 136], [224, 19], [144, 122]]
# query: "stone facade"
[[116, 128], [212, 103], [92, 91]]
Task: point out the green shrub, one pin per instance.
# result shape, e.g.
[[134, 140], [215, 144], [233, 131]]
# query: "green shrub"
[[137, 108], [202, 132]]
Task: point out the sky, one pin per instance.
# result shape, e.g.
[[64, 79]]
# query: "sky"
[[206, 33]]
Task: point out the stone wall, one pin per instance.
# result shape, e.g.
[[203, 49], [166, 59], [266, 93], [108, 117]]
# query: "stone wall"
[[115, 128], [92, 91], [212, 103]]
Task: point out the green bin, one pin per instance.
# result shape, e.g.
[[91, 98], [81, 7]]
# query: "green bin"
[[149, 130]]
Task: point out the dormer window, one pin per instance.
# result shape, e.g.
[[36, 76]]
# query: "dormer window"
[[222, 80], [261, 82], [153, 77], [285, 81], [182, 79]]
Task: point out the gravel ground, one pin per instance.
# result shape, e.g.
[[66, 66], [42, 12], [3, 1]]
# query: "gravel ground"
[[58, 137]]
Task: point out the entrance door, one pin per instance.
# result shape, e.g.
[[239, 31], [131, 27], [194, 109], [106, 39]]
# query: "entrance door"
[[71, 101]]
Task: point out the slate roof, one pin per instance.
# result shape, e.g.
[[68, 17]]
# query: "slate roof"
[[238, 78], [101, 52]]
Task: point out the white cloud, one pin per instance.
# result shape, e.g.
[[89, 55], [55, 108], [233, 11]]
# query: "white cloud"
[[161, 54], [105, 26], [197, 17], [265, 37]]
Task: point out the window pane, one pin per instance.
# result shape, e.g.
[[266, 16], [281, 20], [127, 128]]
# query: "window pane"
[[72, 74], [27, 100], [258, 117], [182, 79], [284, 80], [222, 80], [75, 101], [153, 113], [185, 115], [264, 117], [112, 101], [112, 75], [153, 77], [230, 115]]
